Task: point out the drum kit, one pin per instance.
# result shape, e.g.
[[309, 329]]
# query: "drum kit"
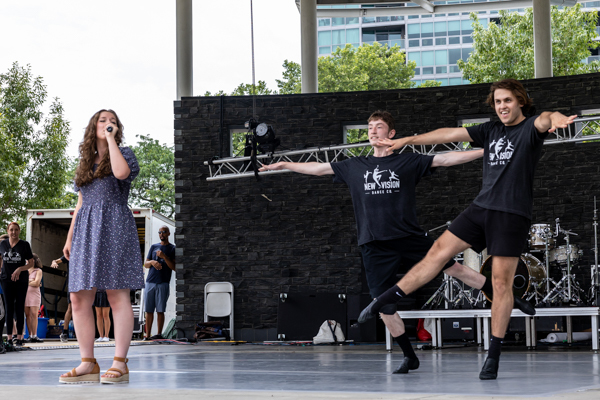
[[535, 276]]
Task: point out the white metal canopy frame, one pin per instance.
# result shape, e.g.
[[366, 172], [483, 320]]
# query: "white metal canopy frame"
[[241, 167]]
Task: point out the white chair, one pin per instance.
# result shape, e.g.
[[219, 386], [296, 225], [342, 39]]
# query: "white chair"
[[218, 302]]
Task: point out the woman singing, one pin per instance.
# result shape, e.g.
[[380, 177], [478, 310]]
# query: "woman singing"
[[16, 258], [102, 245]]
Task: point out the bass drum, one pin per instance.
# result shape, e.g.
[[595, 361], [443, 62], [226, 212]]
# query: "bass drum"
[[529, 271]]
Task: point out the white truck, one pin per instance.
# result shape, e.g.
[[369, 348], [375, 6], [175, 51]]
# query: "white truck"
[[47, 231]]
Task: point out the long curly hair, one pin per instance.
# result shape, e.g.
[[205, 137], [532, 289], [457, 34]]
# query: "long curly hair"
[[85, 174]]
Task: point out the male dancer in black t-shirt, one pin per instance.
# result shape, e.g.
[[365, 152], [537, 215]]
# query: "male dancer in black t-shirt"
[[382, 187], [500, 216]]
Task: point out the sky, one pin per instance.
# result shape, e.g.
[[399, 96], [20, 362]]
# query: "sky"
[[120, 54]]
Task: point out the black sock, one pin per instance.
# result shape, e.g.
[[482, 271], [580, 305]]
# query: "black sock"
[[405, 345], [495, 347], [487, 287]]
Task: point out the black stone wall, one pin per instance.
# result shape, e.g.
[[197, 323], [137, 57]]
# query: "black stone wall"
[[294, 233]]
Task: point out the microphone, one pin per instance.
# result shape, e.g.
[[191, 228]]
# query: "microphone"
[[109, 129]]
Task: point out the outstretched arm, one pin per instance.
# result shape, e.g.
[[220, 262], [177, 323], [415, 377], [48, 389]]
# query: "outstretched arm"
[[438, 136], [455, 158], [312, 168], [549, 121]]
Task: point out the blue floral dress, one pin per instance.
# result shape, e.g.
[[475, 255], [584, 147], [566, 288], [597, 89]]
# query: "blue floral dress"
[[105, 251]]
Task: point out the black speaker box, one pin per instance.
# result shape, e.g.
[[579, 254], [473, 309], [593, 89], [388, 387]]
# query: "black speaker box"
[[300, 315]]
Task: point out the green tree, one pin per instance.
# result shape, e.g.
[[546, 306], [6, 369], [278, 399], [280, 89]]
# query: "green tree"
[[34, 165], [154, 187], [245, 89], [368, 67], [292, 78], [505, 50]]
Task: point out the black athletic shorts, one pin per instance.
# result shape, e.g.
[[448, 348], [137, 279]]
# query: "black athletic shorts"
[[384, 259], [504, 234]]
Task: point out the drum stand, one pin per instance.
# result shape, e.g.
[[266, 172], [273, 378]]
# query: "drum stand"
[[452, 293], [567, 288], [594, 294]]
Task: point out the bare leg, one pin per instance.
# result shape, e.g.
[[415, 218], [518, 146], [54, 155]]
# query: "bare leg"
[[120, 303], [160, 321], [99, 321], [394, 323], [68, 316], [84, 326], [446, 247], [32, 320], [149, 321], [503, 273], [466, 275], [106, 318]]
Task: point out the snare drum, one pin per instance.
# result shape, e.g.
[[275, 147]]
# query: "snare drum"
[[538, 234], [529, 271], [561, 253]]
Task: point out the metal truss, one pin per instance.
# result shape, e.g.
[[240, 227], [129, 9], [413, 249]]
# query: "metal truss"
[[584, 129]]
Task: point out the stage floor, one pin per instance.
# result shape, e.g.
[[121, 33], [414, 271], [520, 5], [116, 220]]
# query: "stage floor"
[[256, 371]]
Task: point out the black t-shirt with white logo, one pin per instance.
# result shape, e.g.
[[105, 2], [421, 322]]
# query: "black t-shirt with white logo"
[[511, 154], [383, 193], [14, 257]]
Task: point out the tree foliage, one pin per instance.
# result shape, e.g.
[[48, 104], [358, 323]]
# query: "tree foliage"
[[245, 89], [154, 187], [505, 50], [32, 156], [368, 67]]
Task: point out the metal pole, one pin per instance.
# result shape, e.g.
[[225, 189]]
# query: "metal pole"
[[542, 38], [308, 36], [185, 52]]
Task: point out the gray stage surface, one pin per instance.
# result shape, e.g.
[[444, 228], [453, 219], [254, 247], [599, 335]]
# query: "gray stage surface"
[[254, 371]]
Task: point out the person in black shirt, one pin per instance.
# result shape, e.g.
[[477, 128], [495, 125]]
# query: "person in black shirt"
[[16, 258], [500, 216], [382, 187]]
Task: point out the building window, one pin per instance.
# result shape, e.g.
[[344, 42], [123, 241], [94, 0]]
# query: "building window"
[[453, 28], [338, 37], [416, 57], [427, 42], [324, 38], [441, 57], [440, 41], [441, 28], [324, 21], [427, 30], [454, 40], [337, 21], [414, 31]]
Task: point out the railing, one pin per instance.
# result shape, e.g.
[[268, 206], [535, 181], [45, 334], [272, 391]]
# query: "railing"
[[584, 129]]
